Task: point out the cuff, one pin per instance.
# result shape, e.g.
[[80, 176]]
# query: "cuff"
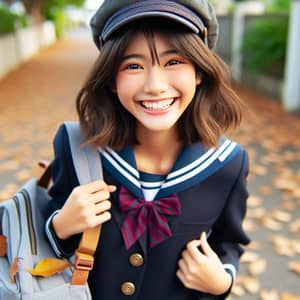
[[229, 268], [62, 248]]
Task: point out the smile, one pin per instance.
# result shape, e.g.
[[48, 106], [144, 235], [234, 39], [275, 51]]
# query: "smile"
[[158, 105]]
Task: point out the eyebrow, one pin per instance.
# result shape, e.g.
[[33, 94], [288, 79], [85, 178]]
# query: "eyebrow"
[[141, 56]]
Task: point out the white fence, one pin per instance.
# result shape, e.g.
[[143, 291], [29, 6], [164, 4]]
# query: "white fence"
[[18, 47]]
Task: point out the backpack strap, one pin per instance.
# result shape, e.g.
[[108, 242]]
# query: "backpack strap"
[[86, 159], [87, 163]]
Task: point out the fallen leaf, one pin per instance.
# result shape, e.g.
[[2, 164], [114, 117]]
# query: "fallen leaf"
[[238, 290], [285, 184], [281, 216], [256, 213], [294, 227], [257, 267], [254, 201], [249, 257], [249, 225], [284, 246], [288, 205], [254, 246], [289, 296], [285, 251], [250, 284], [259, 170], [294, 266], [49, 266], [269, 295], [265, 190], [271, 224]]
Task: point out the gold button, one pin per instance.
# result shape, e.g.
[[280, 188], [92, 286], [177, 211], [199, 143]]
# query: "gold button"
[[136, 259], [128, 288]]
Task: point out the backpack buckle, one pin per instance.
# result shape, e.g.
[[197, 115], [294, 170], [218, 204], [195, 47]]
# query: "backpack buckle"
[[84, 262]]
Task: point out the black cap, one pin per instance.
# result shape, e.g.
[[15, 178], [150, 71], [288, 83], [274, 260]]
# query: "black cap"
[[197, 15]]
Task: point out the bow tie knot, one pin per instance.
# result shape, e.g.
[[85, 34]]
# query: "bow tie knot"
[[150, 215]]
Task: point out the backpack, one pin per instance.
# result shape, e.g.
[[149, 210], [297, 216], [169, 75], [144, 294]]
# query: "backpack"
[[23, 243]]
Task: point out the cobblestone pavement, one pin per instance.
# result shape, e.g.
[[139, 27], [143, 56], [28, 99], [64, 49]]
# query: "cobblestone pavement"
[[39, 95]]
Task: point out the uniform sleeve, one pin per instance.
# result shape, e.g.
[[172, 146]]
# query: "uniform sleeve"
[[64, 181], [228, 234]]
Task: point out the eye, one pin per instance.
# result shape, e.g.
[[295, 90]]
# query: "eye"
[[173, 62], [133, 67]]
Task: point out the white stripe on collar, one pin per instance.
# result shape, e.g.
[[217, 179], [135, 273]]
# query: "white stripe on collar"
[[202, 166], [175, 177], [198, 161], [152, 185], [119, 167], [123, 162]]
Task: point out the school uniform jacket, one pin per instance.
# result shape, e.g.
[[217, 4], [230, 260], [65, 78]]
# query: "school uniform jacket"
[[211, 187]]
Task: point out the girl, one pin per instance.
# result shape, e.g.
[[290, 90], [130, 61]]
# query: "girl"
[[174, 192]]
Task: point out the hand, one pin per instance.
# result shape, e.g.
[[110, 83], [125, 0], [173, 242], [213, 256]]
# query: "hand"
[[203, 271], [86, 207]]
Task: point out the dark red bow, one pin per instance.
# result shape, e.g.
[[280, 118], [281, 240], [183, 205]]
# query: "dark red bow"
[[147, 214]]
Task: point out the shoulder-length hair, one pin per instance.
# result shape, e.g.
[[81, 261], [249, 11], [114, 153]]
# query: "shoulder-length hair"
[[214, 109]]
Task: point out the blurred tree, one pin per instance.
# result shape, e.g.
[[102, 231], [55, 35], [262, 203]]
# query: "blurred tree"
[[38, 9], [273, 6]]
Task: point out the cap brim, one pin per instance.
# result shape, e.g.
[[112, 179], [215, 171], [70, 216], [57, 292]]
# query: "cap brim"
[[146, 9], [107, 31]]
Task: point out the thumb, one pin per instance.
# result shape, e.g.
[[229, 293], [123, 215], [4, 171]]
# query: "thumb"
[[204, 245]]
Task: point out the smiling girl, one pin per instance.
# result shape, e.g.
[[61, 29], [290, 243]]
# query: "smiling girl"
[[156, 106]]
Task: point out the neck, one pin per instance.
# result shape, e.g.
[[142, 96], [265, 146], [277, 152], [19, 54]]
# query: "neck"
[[157, 151]]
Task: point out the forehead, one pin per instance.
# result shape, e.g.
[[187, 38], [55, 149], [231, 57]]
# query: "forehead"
[[152, 42]]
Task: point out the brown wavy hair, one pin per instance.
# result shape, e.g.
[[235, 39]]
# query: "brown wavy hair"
[[214, 109]]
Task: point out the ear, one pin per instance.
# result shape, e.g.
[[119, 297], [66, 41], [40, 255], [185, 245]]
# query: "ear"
[[198, 78]]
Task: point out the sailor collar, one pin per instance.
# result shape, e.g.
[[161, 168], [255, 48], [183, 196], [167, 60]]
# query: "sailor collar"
[[194, 164]]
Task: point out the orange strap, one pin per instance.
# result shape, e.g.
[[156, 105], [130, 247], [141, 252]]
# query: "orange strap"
[[3, 247], [84, 255]]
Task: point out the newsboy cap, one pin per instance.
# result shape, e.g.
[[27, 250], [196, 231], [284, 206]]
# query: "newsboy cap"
[[197, 15]]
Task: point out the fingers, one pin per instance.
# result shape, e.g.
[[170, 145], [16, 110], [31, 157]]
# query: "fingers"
[[205, 247], [87, 206], [96, 186], [102, 207], [199, 248], [99, 196], [99, 200], [103, 217], [201, 269]]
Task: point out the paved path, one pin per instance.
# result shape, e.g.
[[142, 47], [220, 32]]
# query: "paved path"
[[40, 94]]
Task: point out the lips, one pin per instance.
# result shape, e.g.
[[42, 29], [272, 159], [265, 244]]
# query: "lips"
[[157, 104]]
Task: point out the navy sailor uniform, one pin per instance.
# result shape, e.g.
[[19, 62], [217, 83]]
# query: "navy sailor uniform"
[[211, 187]]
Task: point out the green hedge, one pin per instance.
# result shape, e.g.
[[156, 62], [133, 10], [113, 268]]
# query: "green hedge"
[[58, 16], [10, 22], [264, 46]]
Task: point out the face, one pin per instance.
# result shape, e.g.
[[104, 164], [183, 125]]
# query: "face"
[[155, 92]]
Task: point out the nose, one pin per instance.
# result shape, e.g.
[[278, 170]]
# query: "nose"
[[156, 81]]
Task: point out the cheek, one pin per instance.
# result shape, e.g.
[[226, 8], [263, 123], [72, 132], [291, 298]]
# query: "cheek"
[[125, 86], [121, 90], [187, 83]]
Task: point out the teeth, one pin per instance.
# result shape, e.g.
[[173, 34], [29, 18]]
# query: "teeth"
[[164, 104]]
